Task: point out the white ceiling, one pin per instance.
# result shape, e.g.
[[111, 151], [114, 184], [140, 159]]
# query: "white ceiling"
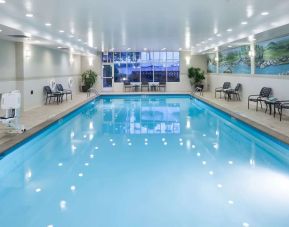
[[138, 24]]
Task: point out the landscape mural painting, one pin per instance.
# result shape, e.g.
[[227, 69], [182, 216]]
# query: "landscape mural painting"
[[212, 64], [235, 60], [272, 56]]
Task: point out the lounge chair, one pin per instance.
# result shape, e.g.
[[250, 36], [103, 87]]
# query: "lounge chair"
[[162, 85], [263, 95], [233, 92], [281, 105], [58, 97], [145, 85], [65, 92], [220, 90], [127, 85]]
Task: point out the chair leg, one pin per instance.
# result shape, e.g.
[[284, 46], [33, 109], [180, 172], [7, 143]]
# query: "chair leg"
[[257, 105], [280, 113], [248, 103]]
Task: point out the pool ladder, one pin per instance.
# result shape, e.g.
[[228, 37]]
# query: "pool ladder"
[[92, 90]]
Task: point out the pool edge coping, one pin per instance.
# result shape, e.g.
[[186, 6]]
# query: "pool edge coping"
[[18, 139], [279, 136]]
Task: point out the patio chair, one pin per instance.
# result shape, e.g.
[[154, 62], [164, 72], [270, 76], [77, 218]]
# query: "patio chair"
[[199, 88], [281, 105], [126, 85], [263, 95], [145, 85], [57, 96], [233, 92], [220, 90], [162, 85], [65, 92]]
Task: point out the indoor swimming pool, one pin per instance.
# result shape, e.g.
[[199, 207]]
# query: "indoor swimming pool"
[[146, 161]]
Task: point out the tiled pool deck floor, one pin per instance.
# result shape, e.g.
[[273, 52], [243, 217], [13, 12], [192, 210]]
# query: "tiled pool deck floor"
[[38, 118]]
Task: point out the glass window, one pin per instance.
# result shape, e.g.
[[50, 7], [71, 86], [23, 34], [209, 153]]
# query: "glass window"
[[104, 58], [144, 56], [133, 72], [146, 72], [156, 56], [137, 56], [130, 56], [163, 56], [170, 56], [123, 57], [160, 72], [120, 72], [116, 57], [177, 56], [110, 57], [158, 66], [173, 72]]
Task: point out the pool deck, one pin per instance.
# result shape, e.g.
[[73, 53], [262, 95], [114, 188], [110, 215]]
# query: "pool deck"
[[258, 119], [39, 118]]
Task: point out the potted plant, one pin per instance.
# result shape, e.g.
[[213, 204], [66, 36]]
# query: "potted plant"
[[88, 79], [196, 76]]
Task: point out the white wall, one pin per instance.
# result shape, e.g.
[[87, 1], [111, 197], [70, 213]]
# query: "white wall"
[[96, 66], [252, 84], [17, 71], [7, 66], [44, 65]]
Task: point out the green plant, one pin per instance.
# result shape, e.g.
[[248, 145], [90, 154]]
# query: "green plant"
[[88, 78], [196, 75]]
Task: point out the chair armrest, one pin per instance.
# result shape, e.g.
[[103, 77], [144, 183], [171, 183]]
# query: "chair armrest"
[[253, 96], [218, 88]]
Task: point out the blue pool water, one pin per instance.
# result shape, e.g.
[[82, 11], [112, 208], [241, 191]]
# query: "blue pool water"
[[146, 161]]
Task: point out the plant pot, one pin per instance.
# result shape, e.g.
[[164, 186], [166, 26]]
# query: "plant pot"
[[84, 88]]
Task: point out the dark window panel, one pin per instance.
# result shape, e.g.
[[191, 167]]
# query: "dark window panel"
[[120, 72], [133, 72]]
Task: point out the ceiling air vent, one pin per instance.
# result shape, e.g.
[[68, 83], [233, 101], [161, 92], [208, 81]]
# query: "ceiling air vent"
[[19, 36]]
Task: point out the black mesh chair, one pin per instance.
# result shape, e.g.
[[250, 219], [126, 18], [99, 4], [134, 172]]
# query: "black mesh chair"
[[57, 96], [220, 90], [233, 92], [280, 106], [162, 85], [262, 97], [127, 85], [145, 85], [65, 92]]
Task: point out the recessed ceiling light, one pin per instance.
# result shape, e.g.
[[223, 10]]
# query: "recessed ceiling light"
[[265, 13], [210, 39], [219, 35], [128, 49], [244, 23], [229, 29], [48, 24], [79, 40], [59, 47], [29, 15], [164, 48], [61, 31], [180, 49], [145, 49], [229, 46], [0, 30], [2, 1]]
